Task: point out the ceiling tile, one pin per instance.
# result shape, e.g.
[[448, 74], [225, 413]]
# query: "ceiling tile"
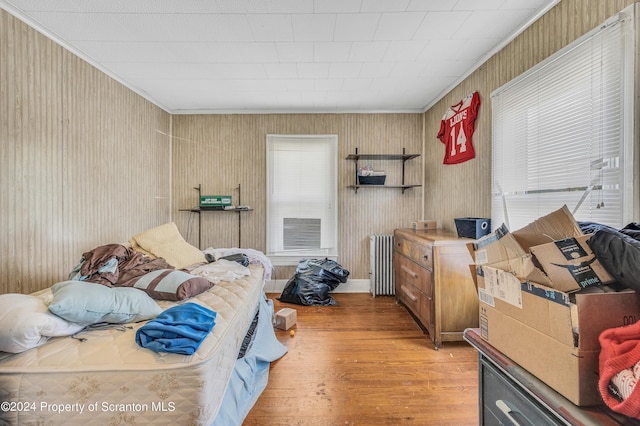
[[441, 25], [331, 51], [288, 6], [431, 5], [295, 52], [372, 51], [379, 70], [336, 6], [398, 25], [478, 5], [288, 70], [345, 70], [369, 6], [309, 27], [278, 55], [356, 27], [502, 23], [313, 70], [272, 27], [404, 50]]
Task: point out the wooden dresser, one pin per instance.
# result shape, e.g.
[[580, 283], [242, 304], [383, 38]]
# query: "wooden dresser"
[[433, 280]]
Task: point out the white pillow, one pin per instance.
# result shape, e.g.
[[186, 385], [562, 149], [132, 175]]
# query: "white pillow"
[[25, 323], [90, 303]]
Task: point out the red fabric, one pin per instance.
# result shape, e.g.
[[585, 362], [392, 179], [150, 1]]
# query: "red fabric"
[[620, 349], [456, 130]]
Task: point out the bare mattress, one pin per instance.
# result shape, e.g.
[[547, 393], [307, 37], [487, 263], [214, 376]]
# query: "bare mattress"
[[109, 379]]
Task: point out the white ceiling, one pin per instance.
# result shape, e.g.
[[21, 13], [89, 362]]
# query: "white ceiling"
[[249, 56]]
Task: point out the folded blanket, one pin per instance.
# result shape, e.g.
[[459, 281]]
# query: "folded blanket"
[[180, 329]]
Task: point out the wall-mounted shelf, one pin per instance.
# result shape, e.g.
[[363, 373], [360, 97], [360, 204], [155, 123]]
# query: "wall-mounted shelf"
[[402, 157], [199, 210], [403, 187]]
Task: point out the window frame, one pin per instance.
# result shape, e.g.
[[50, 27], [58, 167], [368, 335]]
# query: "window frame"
[[292, 257], [518, 206]]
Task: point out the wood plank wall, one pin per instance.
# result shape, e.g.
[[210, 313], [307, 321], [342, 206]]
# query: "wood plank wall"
[[84, 161], [465, 189], [222, 151]]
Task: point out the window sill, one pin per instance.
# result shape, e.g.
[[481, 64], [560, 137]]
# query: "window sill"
[[293, 260]]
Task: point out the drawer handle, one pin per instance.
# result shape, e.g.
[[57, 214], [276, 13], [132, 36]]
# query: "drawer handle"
[[511, 413], [409, 294], [409, 271]]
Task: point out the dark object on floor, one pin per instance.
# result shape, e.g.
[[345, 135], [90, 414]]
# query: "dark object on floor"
[[313, 281]]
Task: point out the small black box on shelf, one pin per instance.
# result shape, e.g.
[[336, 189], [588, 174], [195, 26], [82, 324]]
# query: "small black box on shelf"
[[372, 180], [472, 227]]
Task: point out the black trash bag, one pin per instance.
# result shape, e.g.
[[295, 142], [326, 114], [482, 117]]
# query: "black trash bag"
[[313, 282]]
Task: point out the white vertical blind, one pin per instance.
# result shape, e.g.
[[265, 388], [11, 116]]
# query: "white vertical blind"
[[560, 132], [302, 193]]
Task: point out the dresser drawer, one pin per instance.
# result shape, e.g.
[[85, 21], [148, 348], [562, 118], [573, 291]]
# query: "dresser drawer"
[[419, 304], [504, 403], [420, 253], [439, 293], [408, 272]]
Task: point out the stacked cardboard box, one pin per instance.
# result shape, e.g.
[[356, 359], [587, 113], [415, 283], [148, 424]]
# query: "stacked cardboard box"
[[544, 302]]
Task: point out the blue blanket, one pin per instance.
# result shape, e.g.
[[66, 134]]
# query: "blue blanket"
[[251, 373], [180, 329]]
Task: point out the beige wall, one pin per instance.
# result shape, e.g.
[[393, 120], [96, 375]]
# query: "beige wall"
[[221, 151], [85, 161], [82, 160], [465, 189]]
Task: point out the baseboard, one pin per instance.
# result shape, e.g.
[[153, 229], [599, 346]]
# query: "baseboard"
[[351, 286]]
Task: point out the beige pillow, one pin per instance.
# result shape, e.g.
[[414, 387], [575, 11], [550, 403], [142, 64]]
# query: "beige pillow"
[[165, 241], [135, 247]]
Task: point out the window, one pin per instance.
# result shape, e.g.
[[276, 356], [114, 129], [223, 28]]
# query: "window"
[[563, 133], [302, 214]]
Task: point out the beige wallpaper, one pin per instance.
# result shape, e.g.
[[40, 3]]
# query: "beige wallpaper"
[[221, 152], [85, 161]]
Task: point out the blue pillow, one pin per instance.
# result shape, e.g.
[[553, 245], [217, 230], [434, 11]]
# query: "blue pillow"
[[90, 303]]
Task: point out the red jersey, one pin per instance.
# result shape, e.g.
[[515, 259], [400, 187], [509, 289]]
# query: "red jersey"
[[456, 129]]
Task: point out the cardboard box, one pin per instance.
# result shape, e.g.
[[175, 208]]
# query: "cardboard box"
[[424, 224], [215, 200], [502, 251], [549, 334], [570, 264], [285, 318], [556, 225], [540, 321], [513, 250]]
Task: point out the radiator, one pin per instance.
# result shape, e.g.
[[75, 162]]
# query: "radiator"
[[381, 265]]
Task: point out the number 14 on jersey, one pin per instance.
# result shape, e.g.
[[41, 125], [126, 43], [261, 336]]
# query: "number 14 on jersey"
[[456, 130]]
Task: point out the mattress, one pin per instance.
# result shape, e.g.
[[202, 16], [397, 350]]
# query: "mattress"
[[109, 379]]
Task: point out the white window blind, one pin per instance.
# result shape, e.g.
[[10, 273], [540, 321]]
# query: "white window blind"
[[562, 134], [302, 192]]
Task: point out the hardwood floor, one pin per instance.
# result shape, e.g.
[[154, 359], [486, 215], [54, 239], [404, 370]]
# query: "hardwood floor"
[[366, 362]]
